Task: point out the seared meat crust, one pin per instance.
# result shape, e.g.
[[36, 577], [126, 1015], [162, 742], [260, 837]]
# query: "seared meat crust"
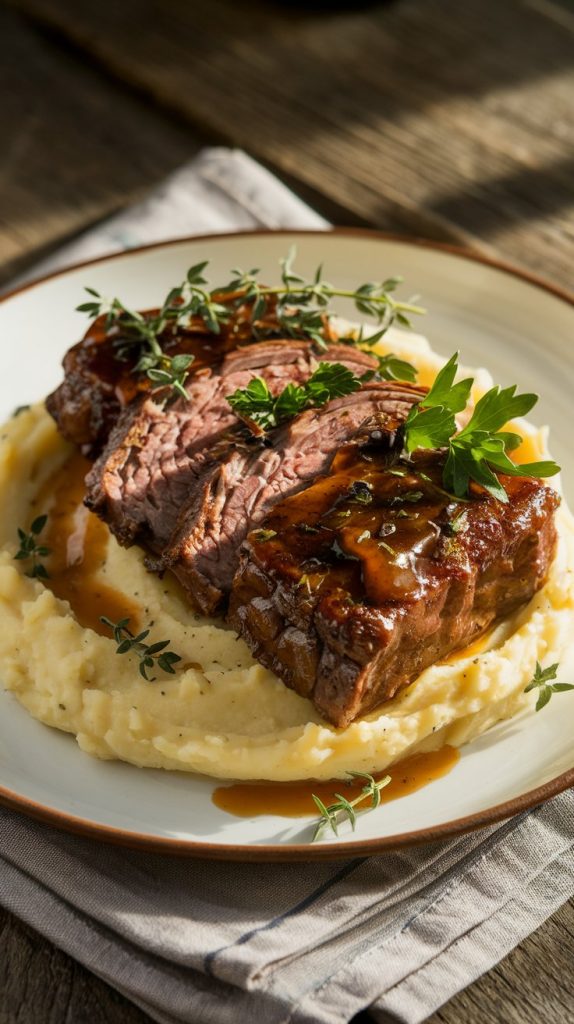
[[352, 587], [346, 570]]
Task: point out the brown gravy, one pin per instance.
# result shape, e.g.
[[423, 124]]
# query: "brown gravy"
[[77, 540], [294, 800], [470, 651]]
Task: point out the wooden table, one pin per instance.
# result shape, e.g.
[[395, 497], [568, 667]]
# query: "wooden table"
[[436, 118]]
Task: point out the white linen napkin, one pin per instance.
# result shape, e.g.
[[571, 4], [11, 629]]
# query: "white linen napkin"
[[194, 940]]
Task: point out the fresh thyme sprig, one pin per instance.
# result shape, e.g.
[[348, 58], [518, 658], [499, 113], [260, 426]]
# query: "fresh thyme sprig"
[[541, 679], [301, 307], [148, 654], [480, 449], [29, 548], [188, 299], [330, 817], [171, 372], [296, 308], [256, 403]]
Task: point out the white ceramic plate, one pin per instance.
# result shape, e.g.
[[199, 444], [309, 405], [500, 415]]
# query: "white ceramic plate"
[[519, 328]]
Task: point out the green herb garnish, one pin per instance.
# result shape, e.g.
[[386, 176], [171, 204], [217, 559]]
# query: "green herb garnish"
[[301, 306], [264, 535], [480, 449], [541, 679], [298, 308], [390, 366], [411, 496], [361, 491], [170, 372], [29, 548], [188, 299], [330, 816], [257, 404], [457, 525], [148, 654]]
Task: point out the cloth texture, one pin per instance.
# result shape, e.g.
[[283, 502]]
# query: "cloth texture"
[[305, 943]]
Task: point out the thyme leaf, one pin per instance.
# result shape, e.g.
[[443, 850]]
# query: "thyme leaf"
[[264, 535], [361, 491], [173, 374], [148, 654], [145, 330], [299, 308], [342, 809], [29, 548], [542, 679], [302, 306]]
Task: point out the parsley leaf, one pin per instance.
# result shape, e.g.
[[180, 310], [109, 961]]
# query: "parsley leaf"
[[428, 428], [445, 392], [480, 450], [497, 407], [256, 403], [431, 423]]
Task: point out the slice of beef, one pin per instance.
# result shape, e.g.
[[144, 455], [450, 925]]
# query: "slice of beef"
[[98, 385], [350, 588], [233, 495], [150, 468], [99, 379]]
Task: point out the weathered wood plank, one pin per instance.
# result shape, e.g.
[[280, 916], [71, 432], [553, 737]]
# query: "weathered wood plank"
[[440, 118], [432, 116], [39, 984], [534, 983], [75, 147]]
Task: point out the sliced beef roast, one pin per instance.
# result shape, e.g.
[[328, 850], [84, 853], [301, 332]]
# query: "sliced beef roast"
[[99, 381], [353, 586], [348, 569], [234, 494], [149, 470]]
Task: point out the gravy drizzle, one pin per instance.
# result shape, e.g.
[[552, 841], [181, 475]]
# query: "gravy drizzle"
[[294, 800], [77, 540]]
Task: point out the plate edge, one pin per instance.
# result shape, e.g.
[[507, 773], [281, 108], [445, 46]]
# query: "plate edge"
[[297, 851], [460, 826], [344, 232]]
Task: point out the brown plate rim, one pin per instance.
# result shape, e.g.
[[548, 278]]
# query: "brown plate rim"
[[297, 851]]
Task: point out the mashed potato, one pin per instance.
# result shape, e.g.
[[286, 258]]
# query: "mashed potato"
[[223, 714]]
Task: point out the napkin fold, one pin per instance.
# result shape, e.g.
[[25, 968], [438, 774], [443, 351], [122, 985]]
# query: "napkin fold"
[[296, 943], [220, 190]]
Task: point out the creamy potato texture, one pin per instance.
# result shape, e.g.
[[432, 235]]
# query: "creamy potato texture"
[[222, 713]]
